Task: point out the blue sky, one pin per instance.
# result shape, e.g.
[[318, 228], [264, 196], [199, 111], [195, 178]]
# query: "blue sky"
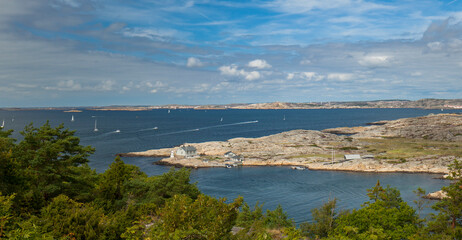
[[154, 52]]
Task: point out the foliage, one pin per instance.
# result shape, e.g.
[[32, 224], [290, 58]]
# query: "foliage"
[[47, 159], [277, 219], [6, 213], [449, 219], [323, 220], [247, 216], [203, 218], [64, 216], [389, 217]]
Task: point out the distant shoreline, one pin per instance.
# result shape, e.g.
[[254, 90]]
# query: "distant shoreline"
[[420, 104]]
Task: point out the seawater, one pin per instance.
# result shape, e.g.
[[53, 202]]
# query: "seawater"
[[297, 191]]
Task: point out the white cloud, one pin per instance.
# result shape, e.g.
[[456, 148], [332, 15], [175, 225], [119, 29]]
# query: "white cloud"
[[71, 3], [259, 63], [68, 85], [106, 85], [340, 76], [252, 75], [194, 62], [232, 70], [376, 61], [159, 34], [312, 76], [435, 46], [305, 62], [290, 76]]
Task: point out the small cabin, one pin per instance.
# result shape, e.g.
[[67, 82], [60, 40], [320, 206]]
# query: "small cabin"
[[352, 156], [186, 151], [230, 155]]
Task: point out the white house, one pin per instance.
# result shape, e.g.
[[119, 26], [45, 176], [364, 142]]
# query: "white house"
[[352, 156], [186, 151], [229, 155]]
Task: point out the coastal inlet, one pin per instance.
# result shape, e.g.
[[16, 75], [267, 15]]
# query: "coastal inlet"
[[417, 145]]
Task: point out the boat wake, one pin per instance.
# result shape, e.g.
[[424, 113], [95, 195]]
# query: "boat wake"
[[203, 128]]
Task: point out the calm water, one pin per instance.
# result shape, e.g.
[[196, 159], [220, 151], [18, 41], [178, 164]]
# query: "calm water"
[[296, 191]]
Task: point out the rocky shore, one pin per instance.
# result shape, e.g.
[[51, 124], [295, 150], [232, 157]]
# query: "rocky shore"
[[415, 145]]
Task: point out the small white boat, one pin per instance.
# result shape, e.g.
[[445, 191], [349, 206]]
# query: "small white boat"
[[117, 131], [96, 129], [221, 120], [72, 118], [284, 118], [298, 168], [168, 111], [228, 166], [3, 123], [155, 128]]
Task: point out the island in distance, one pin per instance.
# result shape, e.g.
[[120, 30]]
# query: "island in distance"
[[419, 145], [423, 103]]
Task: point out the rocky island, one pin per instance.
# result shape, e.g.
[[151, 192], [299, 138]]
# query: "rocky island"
[[418, 145]]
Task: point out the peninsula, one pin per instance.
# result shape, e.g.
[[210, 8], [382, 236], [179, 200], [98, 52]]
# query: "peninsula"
[[419, 145]]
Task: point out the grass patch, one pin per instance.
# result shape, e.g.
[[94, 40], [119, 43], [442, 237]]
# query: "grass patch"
[[348, 148], [402, 148], [329, 156]]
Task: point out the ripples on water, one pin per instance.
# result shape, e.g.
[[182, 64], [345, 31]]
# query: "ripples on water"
[[297, 191]]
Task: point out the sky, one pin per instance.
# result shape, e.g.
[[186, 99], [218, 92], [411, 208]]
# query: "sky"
[[57, 53]]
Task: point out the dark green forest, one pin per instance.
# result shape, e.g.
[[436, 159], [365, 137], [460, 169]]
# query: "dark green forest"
[[48, 191]]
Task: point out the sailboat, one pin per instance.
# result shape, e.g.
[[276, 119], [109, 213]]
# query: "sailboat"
[[168, 111], [3, 123], [221, 120], [72, 118], [96, 129], [284, 118]]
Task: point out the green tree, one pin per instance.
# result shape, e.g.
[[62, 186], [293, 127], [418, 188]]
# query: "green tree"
[[449, 219], [6, 213], [277, 219], [47, 158], [389, 217], [10, 178], [323, 223], [110, 190], [65, 217], [248, 216], [203, 218]]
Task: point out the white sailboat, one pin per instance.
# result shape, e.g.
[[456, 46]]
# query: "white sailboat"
[[72, 118], [168, 111], [221, 119], [96, 129], [284, 118], [3, 123]]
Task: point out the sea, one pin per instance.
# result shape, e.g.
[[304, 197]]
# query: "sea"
[[298, 192]]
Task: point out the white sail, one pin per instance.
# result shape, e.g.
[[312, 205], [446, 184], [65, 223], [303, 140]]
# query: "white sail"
[[96, 129], [72, 118], [3, 123]]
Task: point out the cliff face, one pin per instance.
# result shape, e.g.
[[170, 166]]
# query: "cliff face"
[[424, 144]]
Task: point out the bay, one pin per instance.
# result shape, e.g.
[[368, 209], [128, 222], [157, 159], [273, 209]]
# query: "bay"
[[297, 191]]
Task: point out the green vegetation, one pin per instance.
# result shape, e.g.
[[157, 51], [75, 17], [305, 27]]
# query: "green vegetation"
[[49, 192], [397, 148]]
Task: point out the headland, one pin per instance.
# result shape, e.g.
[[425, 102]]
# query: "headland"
[[415, 145]]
